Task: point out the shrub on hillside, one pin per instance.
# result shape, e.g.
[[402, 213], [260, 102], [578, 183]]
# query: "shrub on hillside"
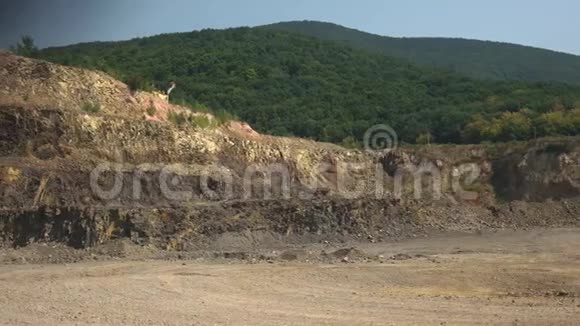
[[91, 107]]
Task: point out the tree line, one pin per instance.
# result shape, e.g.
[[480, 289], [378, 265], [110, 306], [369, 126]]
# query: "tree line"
[[293, 85]]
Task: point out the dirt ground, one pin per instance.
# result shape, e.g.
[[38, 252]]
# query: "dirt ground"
[[507, 278]]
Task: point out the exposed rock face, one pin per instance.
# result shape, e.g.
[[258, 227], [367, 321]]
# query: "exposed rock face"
[[85, 178], [545, 172]]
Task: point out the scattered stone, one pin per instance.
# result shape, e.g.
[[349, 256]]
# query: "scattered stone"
[[401, 257], [290, 255], [562, 293], [351, 253], [236, 255]]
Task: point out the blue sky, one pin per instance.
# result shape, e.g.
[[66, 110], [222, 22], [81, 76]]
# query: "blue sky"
[[549, 24]]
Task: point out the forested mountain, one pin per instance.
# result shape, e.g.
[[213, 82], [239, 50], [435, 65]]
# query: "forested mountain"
[[476, 59], [290, 84]]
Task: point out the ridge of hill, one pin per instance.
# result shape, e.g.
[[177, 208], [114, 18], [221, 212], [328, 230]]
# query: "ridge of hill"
[[473, 58]]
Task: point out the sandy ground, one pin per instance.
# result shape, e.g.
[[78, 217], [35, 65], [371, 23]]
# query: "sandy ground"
[[509, 278]]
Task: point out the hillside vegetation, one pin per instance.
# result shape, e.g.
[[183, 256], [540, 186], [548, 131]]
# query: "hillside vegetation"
[[476, 59], [290, 84]]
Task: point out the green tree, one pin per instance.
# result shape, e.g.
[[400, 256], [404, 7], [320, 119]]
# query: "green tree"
[[515, 126], [25, 47]]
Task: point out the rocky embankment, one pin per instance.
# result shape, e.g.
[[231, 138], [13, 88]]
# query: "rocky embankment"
[[84, 178]]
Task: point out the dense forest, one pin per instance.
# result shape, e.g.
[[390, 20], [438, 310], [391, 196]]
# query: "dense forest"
[[476, 59], [473, 58], [290, 84]]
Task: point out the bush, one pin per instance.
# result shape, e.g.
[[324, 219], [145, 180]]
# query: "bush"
[[195, 121], [223, 117], [177, 119], [201, 121], [138, 83], [151, 111], [351, 143], [91, 107]]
